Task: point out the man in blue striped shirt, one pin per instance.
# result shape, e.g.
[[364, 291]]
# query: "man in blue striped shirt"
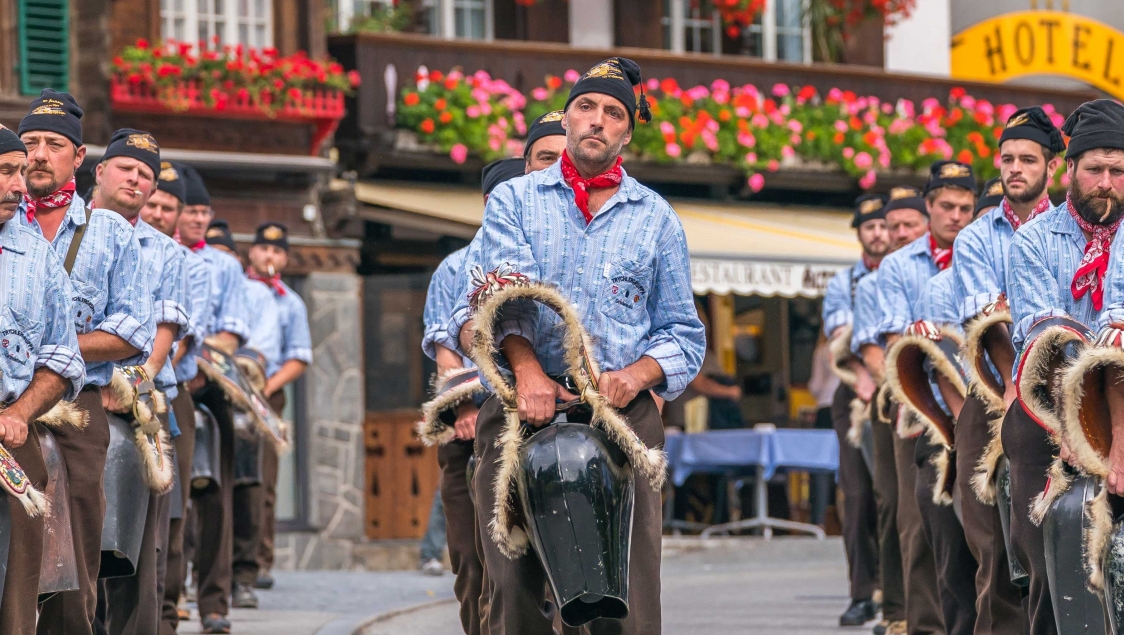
[[617, 252], [40, 364], [112, 318]]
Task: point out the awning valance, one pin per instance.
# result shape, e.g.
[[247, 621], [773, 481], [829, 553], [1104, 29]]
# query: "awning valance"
[[744, 249]]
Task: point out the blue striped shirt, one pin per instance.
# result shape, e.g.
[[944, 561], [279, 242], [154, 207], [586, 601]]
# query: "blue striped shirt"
[[109, 293], [1043, 258], [265, 332], [901, 280], [627, 274], [938, 304], [866, 315], [296, 337], [35, 321], [447, 281], [839, 298], [228, 301], [286, 335], [979, 260], [198, 277], [163, 262]]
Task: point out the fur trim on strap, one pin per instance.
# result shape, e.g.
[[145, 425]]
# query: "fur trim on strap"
[[883, 405], [1097, 537], [237, 397], [220, 344], [908, 425], [254, 373], [840, 349], [944, 462], [985, 388], [650, 463], [1086, 425], [1058, 481], [65, 414], [431, 429], [1042, 360], [156, 456], [903, 394], [860, 413], [126, 393], [983, 481]]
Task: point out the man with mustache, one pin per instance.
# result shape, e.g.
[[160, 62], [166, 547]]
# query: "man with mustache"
[[162, 212], [112, 319], [618, 254], [860, 518], [1057, 268], [1028, 151], [905, 560], [40, 363]]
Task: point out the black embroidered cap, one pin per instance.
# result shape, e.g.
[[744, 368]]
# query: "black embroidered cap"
[[545, 126], [868, 207], [1095, 124], [616, 78], [1034, 124], [54, 112], [276, 234], [905, 197], [218, 233], [170, 181], [951, 174], [499, 171], [135, 144], [195, 191], [9, 142], [991, 195]]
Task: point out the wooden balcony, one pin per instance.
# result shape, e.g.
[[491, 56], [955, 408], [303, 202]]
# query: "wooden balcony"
[[368, 142]]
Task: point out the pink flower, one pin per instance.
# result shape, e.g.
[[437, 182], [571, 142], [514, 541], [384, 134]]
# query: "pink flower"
[[756, 182], [997, 161], [540, 94], [785, 110], [869, 117], [502, 122], [1057, 119], [712, 125], [721, 97], [486, 108], [760, 121], [571, 76], [1004, 112], [840, 125], [698, 92], [835, 95], [984, 106], [520, 123], [795, 140], [458, 153], [861, 103], [710, 140], [780, 90], [652, 84], [673, 150], [720, 86], [906, 109], [887, 108], [795, 126], [472, 111], [884, 160], [863, 160], [667, 128], [848, 152], [867, 181], [741, 111], [773, 165], [751, 157], [515, 147], [787, 152], [1065, 179], [968, 102], [1048, 109], [495, 144], [898, 126], [929, 104]]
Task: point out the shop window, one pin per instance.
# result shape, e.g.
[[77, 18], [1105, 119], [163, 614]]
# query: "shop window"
[[44, 41], [218, 22], [691, 26]]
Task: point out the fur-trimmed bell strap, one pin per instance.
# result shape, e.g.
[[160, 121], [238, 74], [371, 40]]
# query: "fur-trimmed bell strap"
[[450, 389], [925, 346], [841, 357], [14, 480], [1052, 346], [982, 381], [649, 463]]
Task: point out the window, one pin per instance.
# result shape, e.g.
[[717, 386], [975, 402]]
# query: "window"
[[347, 10], [790, 30], [472, 19], [691, 25], [44, 45], [780, 32], [218, 22]]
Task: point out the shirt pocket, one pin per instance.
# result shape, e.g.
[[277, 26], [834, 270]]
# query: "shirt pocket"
[[627, 284], [87, 303], [19, 344]]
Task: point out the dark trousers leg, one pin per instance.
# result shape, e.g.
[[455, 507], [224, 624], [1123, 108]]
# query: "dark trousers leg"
[[889, 539], [460, 519], [84, 452], [25, 547], [955, 565], [214, 515], [1029, 449], [247, 532], [177, 562], [132, 602], [518, 603], [998, 602], [269, 467], [860, 515], [922, 606]]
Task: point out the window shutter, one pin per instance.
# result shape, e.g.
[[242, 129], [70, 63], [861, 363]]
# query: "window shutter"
[[44, 40]]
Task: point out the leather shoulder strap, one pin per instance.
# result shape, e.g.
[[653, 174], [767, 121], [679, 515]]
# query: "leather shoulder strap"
[[75, 243]]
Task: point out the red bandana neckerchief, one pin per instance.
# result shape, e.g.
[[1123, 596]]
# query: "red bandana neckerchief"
[[199, 245], [1090, 272], [942, 258], [1013, 218], [273, 282], [581, 186], [60, 198], [870, 263]]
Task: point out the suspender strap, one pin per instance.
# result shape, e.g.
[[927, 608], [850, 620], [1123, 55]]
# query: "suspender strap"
[[75, 243]]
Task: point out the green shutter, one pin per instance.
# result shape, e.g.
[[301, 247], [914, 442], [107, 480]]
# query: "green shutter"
[[44, 38]]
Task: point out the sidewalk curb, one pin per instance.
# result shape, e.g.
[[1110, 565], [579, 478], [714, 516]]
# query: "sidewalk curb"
[[354, 625]]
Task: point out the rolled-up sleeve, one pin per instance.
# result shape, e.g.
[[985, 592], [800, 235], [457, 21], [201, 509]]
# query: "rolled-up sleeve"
[[677, 338], [977, 282], [837, 310], [296, 337], [233, 315], [439, 302], [171, 292], [59, 351], [128, 308]]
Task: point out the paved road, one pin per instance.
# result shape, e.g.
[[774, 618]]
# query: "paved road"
[[795, 586]]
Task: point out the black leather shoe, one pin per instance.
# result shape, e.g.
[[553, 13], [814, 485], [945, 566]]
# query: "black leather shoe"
[[880, 628], [216, 623], [860, 612], [265, 581], [244, 597]]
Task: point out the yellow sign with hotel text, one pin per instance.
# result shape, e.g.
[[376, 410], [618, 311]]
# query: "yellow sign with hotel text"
[[1025, 43]]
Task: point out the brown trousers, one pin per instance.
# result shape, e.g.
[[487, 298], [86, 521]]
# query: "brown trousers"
[[955, 565], [998, 602], [184, 408], [84, 452], [1029, 449], [255, 515], [860, 514], [519, 603], [269, 492], [214, 517], [890, 571], [460, 521], [922, 605], [25, 546]]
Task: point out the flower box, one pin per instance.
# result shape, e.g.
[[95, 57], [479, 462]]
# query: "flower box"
[[322, 109]]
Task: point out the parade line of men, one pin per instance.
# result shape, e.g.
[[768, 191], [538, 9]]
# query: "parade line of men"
[[968, 424], [108, 302]]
